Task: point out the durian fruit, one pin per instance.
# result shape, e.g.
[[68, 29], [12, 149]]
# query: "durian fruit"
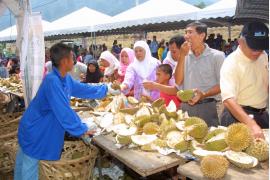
[[214, 166], [241, 159], [238, 137], [150, 128], [143, 139], [196, 127], [175, 141], [130, 111], [216, 143], [123, 140], [213, 133], [158, 103], [154, 117], [201, 153], [259, 149], [132, 100], [185, 95], [142, 120]]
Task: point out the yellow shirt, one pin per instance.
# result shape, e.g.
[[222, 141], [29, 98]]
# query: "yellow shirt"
[[160, 51], [245, 80]]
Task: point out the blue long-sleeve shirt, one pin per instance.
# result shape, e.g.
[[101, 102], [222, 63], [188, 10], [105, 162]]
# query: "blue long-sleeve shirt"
[[49, 116]]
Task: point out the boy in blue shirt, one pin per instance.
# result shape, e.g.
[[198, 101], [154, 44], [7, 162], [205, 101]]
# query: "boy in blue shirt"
[[49, 115]]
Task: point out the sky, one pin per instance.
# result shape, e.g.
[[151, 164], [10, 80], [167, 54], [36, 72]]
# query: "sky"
[[54, 9]]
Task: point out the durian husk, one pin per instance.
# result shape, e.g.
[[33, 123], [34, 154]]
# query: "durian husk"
[[151, 128], [241, 159], [216, 143], [123, 140], [130, 111], [185, 95], [259, 149], [196, 127], [214, 166], [132, 100], [158, 103], [238, 137], [142, 120]]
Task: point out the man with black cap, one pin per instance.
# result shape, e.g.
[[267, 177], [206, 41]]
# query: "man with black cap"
[[244, 80]]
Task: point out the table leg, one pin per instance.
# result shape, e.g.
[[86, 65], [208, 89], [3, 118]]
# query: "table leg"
[[99, 167]]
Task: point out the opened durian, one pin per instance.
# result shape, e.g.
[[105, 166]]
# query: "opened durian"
[[142, 120], [143, 139], [176, 141], [200, 153], [151, 128], [124, 140], [216, 143], [196, 127], [238, 137], [259, 149], [241, 159], [214, 166], [185, 95]]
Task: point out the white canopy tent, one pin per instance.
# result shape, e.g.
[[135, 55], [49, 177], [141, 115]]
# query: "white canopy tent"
[[10, 34], [152, 12], [78, 21], [220, 9]]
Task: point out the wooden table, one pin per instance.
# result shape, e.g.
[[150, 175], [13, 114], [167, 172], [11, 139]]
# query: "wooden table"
[[144, 163], [192, 170]]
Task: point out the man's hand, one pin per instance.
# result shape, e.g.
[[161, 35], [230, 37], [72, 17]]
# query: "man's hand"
[[185, 47], [255, 129], [150, 85], [199, 95], [90, 132]]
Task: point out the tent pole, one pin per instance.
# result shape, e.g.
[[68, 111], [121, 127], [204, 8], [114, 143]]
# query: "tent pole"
[[229, 30]]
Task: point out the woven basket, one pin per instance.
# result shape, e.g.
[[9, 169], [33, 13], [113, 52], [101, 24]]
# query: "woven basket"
[[76, 163], [8, 155], [8, 137], [9, 117]]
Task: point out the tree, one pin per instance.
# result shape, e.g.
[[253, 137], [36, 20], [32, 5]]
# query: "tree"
[[201, 5]]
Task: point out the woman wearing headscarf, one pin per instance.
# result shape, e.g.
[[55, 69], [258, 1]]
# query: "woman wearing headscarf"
[[142, 69], [111, 64], [126, 58], [93, 73]]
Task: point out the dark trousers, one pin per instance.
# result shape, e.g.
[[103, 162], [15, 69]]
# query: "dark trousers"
[[155, 55], [206, 111], [261, 118]]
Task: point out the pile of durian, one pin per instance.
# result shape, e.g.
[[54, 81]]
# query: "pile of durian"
[[155, 127], [12, 84]]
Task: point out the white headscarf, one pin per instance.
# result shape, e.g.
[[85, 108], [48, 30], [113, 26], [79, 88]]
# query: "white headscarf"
[[114, 63], [145, 67], [170, 59]]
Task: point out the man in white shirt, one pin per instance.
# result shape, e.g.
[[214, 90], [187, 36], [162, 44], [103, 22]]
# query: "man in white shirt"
[[77, 73], [244, 80]]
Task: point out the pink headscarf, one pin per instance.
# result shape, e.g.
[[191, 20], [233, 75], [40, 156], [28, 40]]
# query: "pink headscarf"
[[122, 69]]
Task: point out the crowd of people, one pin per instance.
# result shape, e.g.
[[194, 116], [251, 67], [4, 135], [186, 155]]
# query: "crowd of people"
[[236, 71]]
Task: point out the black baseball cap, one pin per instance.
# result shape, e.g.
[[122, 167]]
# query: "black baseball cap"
[[256, 35]]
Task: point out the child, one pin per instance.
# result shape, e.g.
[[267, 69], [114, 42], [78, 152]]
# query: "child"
[[126, 58], [111, 64], [164, 74]]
